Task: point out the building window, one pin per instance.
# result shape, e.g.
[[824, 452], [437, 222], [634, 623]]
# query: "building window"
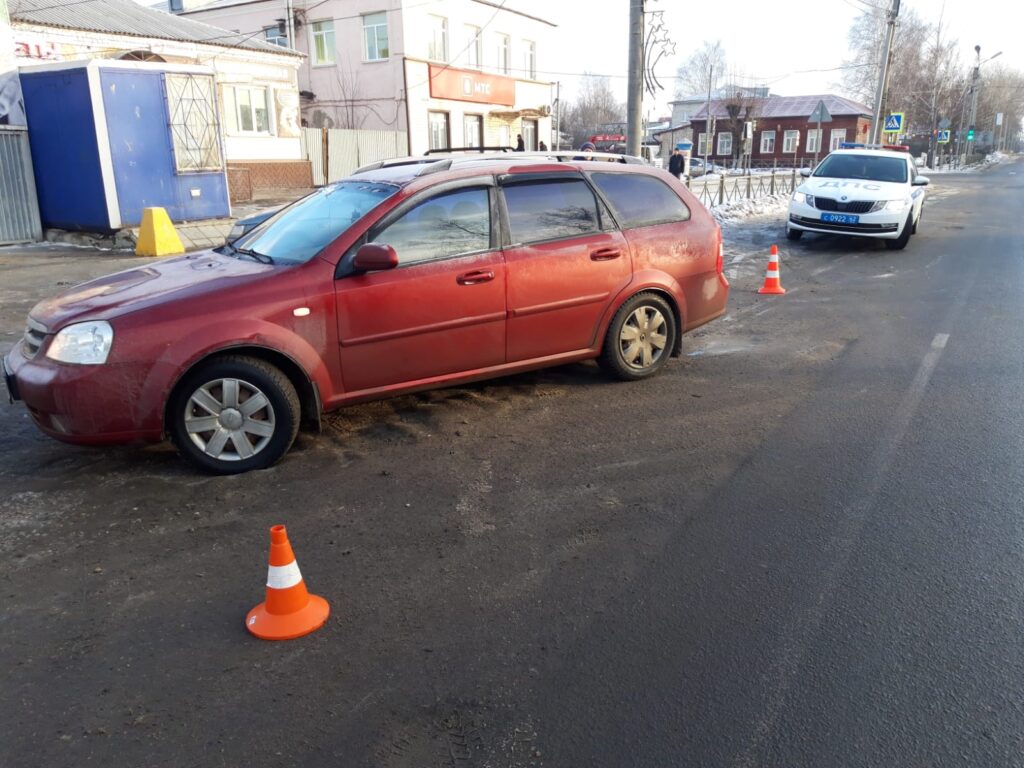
[[192, 117], [530, 135], [504, 54], [276, 36], [323, 43], [702, 144], [246, 110], [438, 50], [790, 140], [767, 142], [813, 139], [530, 59], [375, 36], [838, 137], [724, 144], [440, 130], [474, 47], [472, 131]]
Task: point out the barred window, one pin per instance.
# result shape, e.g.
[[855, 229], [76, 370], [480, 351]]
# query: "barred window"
[[192, 116]]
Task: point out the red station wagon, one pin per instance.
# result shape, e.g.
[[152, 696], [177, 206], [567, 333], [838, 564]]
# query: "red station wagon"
[[406, 276]]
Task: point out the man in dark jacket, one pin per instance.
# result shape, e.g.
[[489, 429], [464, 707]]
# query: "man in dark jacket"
[[520, 144], [676, 164]]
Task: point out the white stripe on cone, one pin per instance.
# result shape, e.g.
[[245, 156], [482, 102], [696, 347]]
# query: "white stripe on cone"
[[770, 273], [283, 576]]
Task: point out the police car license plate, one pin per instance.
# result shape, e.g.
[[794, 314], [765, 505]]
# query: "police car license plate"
[[840, 218]]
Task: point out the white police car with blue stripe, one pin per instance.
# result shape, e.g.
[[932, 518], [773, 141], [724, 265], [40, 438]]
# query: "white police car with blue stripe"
[[863, 190]]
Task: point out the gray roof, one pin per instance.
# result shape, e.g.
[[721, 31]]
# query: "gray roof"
[[125, 17], [790, 106]]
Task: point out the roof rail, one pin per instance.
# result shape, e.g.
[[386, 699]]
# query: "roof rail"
[[434, 163]]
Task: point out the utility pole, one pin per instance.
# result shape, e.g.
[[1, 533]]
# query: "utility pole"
[[289, 24], [883, 75], [974, 85], [635, 98], [708, 133]]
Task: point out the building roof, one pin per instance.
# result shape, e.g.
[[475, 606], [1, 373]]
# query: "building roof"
[[790, 106], [125, 17]]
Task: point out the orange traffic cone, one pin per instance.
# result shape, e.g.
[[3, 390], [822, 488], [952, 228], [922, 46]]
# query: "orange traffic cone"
[[289, 610], [772, 284]]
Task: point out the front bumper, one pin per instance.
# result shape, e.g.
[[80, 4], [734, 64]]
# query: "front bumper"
[[82, 404], [883, 224]]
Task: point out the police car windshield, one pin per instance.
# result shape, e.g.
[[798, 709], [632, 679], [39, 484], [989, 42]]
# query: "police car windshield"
[[865, 167]]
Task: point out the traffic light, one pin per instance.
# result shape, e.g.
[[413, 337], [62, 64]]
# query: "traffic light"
[[970, 133]]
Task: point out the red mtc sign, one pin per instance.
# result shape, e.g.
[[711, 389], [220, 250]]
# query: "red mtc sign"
[[463, 85]]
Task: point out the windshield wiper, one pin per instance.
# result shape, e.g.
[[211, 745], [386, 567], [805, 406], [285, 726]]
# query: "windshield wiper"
[[260, 257]]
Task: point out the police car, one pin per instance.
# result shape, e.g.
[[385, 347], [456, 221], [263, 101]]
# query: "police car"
[[869, 190]]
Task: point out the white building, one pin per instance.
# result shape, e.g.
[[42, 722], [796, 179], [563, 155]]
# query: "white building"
[[257, 82], [452, 73]]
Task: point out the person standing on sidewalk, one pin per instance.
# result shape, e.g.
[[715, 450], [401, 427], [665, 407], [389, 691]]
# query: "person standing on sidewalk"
[[675, 163]]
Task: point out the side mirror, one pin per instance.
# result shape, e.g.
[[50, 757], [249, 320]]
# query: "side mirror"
[[920, 181], [374, 257], [805, 172]]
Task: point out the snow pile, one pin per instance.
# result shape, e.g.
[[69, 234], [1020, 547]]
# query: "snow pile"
[[738, 210]]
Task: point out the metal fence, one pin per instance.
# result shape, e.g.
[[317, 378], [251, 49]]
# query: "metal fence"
[[334, 153], [729, 189], [19, 208]]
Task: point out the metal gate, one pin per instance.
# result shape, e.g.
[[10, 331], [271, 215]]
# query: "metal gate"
[[19, 208], [334, 153]]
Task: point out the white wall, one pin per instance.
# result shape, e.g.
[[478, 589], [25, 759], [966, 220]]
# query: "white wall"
[[12, 110]]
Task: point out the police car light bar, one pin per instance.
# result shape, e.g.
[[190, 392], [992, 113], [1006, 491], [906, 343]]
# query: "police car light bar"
[[895, 147]]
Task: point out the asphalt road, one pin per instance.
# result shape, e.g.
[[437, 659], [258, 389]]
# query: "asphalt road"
[[802, 545]]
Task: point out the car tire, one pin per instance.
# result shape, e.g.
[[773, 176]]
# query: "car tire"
[[901, 242], [640, 338], [794, 234], [234, 414]]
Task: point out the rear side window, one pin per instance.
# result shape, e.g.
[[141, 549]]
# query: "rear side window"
[[550, 210], [640, 201], [446, 225]]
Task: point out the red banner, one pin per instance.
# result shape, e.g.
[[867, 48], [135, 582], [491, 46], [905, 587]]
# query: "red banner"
[[465, 85]]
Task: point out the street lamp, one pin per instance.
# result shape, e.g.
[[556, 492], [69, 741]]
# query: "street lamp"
[[975, 76]]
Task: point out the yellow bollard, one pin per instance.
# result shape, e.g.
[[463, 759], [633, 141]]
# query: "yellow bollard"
[[157, 236]]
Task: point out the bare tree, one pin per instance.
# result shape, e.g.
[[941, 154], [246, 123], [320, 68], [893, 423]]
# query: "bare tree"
[[704, 69], [595, 105]]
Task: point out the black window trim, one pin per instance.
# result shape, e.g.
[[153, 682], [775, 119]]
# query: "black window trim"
[[512, 179], [344, 268], [660, 222]]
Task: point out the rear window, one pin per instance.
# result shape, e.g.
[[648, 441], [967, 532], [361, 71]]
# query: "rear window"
[[550, 210], [640, 201]]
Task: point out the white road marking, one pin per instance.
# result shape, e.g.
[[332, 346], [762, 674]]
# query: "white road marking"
[[785, 668]]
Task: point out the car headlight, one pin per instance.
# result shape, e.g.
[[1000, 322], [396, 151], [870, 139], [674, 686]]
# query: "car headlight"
[[800, 197], [82, 343], [889, 205]]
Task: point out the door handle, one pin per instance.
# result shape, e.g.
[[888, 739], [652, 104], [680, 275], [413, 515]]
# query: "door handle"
[[473, 278], [605, 254]]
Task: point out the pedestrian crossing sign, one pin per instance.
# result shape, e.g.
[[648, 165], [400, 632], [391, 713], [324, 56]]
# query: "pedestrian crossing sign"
[[943, 137], [894, 123]]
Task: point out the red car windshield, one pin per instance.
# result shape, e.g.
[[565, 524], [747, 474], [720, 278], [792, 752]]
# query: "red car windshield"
[[304, 228]]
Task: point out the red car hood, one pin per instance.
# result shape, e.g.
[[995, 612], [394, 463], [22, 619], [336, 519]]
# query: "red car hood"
[[133, 289]]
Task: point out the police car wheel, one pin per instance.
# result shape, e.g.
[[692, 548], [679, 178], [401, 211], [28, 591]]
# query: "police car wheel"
[[901, 242]]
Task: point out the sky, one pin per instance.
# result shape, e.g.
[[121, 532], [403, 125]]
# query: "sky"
[[774, 42]]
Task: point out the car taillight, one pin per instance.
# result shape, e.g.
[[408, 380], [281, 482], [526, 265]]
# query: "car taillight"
[[720, 261]]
